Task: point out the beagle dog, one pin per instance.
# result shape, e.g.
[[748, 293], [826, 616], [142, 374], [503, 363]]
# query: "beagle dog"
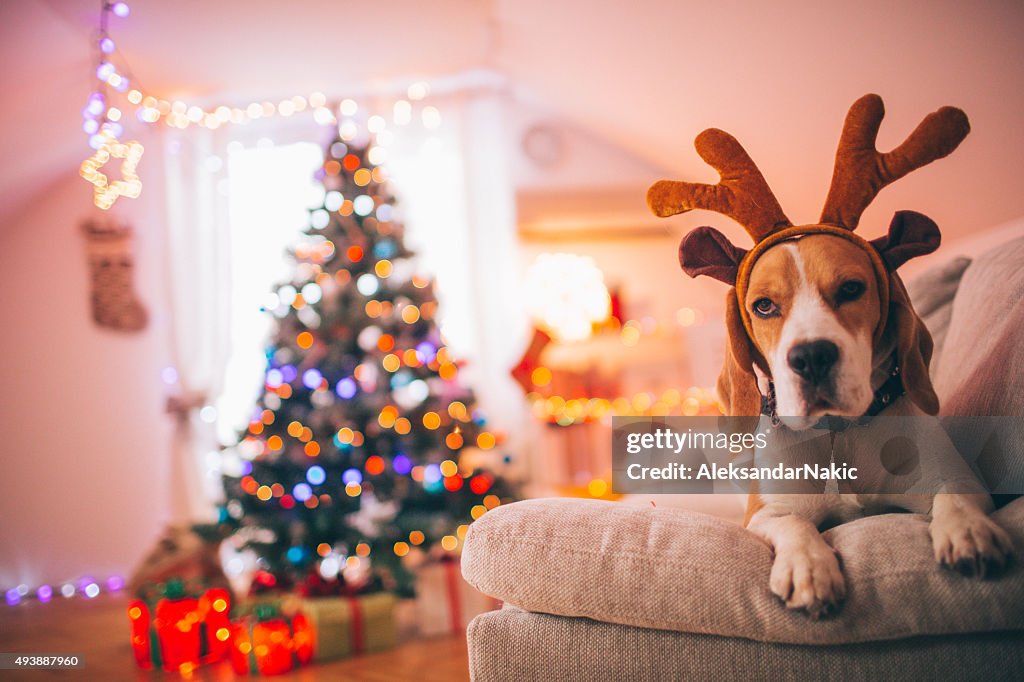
[[820, 324]]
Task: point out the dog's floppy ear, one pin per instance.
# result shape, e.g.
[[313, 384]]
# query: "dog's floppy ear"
[[913, 347], [706, 251], [737, 384], [911, 234]]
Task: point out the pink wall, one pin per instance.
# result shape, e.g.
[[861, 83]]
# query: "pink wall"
[[84, 438]]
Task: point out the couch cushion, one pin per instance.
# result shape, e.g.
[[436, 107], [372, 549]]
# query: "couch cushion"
[[673, 569], [515, 645], [932, 293], [979, 369]]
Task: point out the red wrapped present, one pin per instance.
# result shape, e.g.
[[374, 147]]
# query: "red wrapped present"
[[445, 603], [268, 643], [180, 632]]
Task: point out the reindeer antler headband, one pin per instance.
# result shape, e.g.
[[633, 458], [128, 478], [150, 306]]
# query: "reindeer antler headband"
[[861, 171]]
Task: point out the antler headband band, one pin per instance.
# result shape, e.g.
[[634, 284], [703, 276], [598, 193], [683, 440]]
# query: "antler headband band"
[[861, 171]]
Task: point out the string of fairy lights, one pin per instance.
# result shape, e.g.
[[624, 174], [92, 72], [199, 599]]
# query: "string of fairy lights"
[[86, 586], [117, 96]]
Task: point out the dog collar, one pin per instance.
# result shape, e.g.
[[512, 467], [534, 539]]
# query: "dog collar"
[[747, 265]]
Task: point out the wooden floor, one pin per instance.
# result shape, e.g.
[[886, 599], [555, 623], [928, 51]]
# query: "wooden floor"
[[98, 629]]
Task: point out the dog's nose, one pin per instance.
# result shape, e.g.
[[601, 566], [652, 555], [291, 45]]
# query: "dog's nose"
[[813, 360]]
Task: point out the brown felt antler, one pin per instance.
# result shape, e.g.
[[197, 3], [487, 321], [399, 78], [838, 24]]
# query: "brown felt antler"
[[861, 171], [742, 193]]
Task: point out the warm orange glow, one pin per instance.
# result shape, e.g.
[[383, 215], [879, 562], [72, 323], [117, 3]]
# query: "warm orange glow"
[[350, 162], [306, 434], [386, 342], [449, 468], [256, 428], [541, 376], [312, 449], [285, 391], [345, 435], [391, 362], [453, 440], [374, 465], [264, 493], [410, 358], [431, 420], [323, 549], [402, 426], [416, 537], [449, 542], [491, 501], [373, 309], [219, 605], [294, 429], [383, 269], [355, 253], [486, 440], [410, 314], [304, 340], [401, 548], [447, 371], [457, 410], [267, 417], [275, 443], [597, 487], [135, 612], [363, 549], [332, 167]]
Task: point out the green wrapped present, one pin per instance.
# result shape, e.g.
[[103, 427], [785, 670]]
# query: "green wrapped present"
[[342, 625]]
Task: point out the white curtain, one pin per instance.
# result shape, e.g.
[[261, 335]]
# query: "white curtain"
[[457, 201]]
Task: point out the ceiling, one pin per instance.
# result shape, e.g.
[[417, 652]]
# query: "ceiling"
[[645, 76]]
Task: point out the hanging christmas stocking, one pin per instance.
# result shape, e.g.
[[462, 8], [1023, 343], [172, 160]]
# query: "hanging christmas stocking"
[[111, 266]]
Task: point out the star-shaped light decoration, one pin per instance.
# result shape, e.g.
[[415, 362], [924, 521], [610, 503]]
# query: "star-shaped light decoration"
[[106, 192]]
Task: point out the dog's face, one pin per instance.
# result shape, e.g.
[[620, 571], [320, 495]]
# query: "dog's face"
[[814, 305]]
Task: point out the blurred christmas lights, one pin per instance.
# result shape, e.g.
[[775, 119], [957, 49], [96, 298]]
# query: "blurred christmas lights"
[[86, 586], [105, 192]]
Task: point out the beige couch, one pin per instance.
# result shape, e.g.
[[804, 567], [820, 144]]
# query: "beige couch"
[[606, 591]]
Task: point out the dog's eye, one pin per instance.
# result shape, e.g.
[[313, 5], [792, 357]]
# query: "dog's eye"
[[850, 291], [765, 307]]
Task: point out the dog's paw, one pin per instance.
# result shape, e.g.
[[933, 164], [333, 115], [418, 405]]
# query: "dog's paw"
[[808, 578], [971, 543]]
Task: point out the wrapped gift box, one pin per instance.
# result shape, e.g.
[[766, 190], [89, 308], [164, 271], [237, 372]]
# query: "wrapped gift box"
[[179, 631], [342, 625], [269, 643], [445, 603]]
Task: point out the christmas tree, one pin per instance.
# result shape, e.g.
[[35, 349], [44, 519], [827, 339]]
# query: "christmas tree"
[[364, 447]]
